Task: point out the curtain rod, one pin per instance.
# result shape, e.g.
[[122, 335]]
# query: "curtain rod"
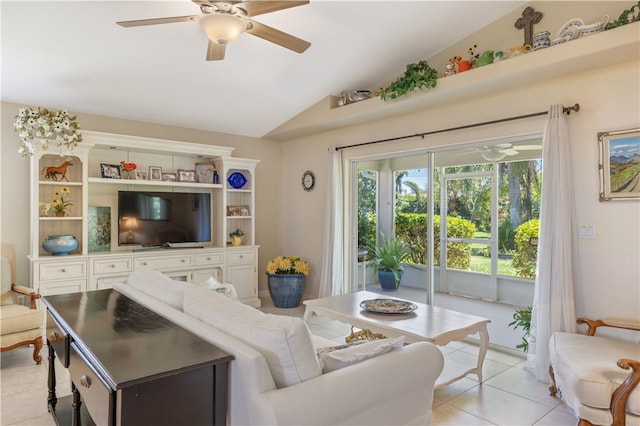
[[566, 110]]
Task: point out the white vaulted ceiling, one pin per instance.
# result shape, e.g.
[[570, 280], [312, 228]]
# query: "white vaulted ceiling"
[[72, 55]]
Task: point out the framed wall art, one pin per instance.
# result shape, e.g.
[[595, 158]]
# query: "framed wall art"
[[109, 171], [619, 164]]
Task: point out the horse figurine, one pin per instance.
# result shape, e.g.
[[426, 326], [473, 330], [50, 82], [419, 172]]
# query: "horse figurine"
[[50, 173]]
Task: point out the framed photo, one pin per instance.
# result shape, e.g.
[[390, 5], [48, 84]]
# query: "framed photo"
[[141, 175], [155, 173], [244, 211], [99, 227], [169, 177], [619, 165], [186, 175], [233, 211], [109, 171], [204, 172]]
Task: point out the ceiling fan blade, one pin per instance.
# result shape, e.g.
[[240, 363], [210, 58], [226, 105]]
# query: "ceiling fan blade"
[[255, 8], [155, 21], [215, 51], [276, 36]]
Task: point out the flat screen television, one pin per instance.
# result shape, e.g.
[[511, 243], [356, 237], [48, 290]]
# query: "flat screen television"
[[158, 218]]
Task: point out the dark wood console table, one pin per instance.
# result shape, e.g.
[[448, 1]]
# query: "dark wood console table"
[[131, 366]]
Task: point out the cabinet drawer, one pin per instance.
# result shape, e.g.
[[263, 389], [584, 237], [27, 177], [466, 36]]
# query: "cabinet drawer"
[[63, 270], [97, 396], [62, 287], [209, 259], [59, 339], [238, 257], [111, 266], [164, 262]]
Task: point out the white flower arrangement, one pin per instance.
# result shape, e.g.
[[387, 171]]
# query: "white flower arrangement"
[[46, 125]]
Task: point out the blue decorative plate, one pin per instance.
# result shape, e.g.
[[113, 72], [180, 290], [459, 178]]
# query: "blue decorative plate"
[[237, 180]]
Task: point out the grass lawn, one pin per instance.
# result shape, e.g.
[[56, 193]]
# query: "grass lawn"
[[483, 264]]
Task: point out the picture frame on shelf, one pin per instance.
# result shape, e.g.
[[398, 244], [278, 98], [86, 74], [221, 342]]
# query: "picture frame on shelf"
[[618, 171], [155, 173], [99, 229], [109, 171], [169, 177], [233, 211], [141, 175], [186, 175], [204, 172], [244, 211]]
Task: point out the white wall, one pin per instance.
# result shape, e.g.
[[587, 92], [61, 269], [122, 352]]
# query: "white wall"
[[609, 282]]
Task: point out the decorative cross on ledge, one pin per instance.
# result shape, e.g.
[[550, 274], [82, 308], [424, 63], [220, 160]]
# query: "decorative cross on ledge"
[[529, 17]]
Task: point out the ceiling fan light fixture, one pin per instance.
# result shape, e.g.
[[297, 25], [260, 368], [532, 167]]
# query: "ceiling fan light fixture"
[[222, 28], [493, 155]]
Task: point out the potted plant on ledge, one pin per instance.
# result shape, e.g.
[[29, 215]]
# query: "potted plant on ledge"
[[388, 258], [286, 277]]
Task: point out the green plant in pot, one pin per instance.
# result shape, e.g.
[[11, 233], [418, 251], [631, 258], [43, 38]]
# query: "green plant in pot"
[[522, 319], [417, 76], [388, 257]]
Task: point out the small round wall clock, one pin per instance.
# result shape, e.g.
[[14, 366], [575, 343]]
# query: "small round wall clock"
[[308, 180]]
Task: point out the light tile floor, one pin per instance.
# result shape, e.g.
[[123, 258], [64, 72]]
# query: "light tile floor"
[[509, 396]]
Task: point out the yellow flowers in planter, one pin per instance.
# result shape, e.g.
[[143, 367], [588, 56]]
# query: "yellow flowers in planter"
[[287, 265]]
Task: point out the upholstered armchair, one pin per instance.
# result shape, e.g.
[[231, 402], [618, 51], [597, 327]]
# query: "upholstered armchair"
[[597, 376], [19, 324]]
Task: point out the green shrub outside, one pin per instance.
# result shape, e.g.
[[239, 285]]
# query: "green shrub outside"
[[412, 228], [524, 259]]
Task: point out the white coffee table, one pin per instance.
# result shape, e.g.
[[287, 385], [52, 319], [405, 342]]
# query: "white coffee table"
[[427, 323]]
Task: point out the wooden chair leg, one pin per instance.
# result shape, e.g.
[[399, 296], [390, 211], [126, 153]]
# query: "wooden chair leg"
[[553, 389], [37, 346]]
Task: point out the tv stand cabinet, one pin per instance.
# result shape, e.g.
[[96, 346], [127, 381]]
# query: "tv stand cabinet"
[[93, 268]]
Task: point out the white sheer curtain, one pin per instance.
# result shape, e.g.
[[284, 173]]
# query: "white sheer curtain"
[[331, 277], [554, 303]]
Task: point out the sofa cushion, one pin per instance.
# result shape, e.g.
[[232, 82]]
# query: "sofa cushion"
[[284, 341], [335, 359], [158, 285], [593, 376]]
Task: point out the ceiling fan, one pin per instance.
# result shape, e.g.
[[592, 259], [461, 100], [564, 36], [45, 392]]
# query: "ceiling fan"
[[502, 150], [224, 21]]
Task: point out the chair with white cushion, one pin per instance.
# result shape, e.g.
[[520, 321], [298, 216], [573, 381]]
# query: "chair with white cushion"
[[20, 325], [597, 376]]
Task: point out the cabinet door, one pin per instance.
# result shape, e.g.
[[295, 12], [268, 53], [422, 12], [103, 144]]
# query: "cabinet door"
[[202, 275], [243, 279]]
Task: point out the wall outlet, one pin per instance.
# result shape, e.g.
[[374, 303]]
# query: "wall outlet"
[[587, 232]]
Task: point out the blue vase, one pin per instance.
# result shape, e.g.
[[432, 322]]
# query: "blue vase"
[[60, 245], [286, 290]]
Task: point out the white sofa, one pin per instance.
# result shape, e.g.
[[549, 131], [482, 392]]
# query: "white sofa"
[[274, 380]]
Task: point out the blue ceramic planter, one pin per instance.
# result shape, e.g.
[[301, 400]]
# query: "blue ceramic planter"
[[388, 280], [60, 245], [286, 290]]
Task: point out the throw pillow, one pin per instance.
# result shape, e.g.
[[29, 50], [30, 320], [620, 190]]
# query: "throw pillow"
[[225, 289], [285, 342], [353, 354], [158, 285]]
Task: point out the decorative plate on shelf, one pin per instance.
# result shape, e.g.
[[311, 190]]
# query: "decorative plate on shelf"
[[570, 27], [388, 306], [237, 180]]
